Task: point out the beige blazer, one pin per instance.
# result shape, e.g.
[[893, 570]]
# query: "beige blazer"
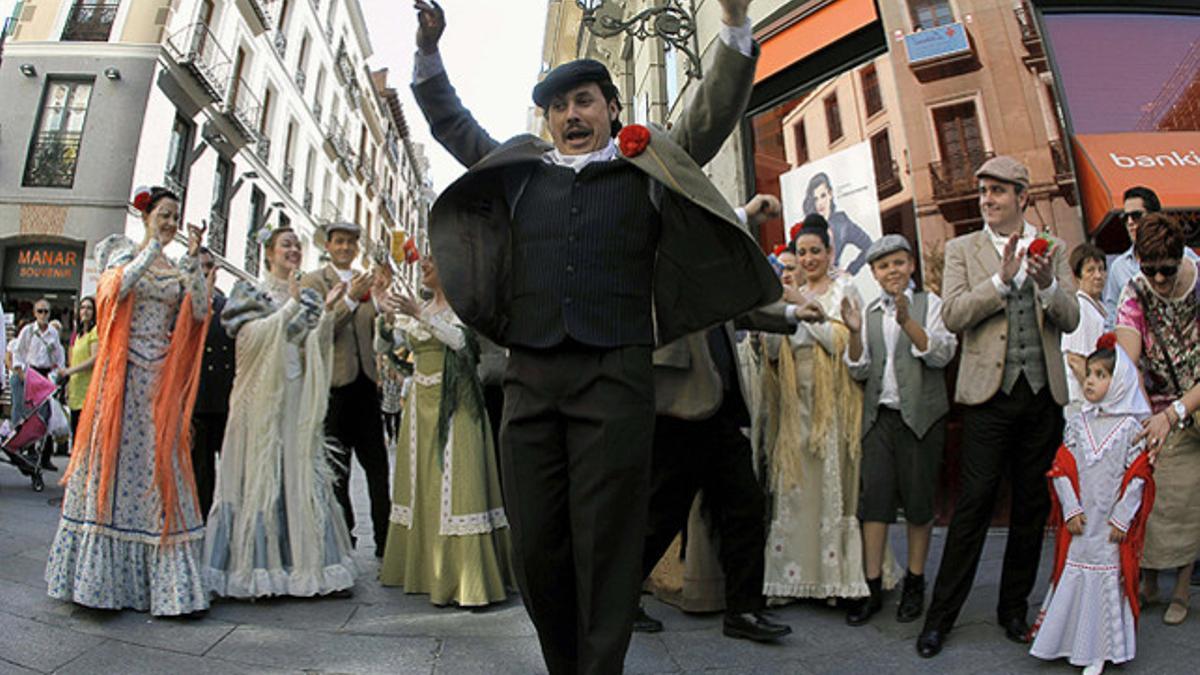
[[349, 329], [973, 308]]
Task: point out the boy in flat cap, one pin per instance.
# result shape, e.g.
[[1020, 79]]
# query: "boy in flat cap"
[[901, 360], [580, 257], [1010, 302]]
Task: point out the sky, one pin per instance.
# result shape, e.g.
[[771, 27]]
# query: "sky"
[[492, 50]]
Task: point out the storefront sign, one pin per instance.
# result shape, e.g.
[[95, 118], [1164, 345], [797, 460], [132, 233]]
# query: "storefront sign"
[[48, 266], [937, 43], [1108, 164]]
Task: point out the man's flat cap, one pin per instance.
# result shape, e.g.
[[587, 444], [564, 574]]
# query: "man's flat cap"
[[343, 226], [1005, 168], [566, 77], [887, 245]]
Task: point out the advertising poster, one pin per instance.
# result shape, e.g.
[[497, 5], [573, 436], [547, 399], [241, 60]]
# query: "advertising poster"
[[840, 187]]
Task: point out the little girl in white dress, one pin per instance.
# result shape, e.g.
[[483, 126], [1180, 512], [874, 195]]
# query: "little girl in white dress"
[[1102, 491]]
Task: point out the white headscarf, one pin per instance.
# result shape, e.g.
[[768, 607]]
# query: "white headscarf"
[[1124, 395]]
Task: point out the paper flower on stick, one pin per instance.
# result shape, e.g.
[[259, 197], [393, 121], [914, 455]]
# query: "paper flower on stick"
[[633, 139], [1107, 341], [411, 254]]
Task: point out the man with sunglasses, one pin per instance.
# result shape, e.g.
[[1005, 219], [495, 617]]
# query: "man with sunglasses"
[[40, 348], [1139, 201]]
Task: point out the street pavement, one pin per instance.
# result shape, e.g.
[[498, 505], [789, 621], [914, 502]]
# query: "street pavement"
[[382, 630]]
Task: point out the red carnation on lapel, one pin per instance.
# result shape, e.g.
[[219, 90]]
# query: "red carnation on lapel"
[[633, 139], [1039, 246], [1107, 341]]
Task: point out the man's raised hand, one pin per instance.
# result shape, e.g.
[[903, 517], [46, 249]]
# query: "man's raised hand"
[[735, 12], [431, 23]]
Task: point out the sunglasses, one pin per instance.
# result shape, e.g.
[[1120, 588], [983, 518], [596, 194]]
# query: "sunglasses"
[[1133, 215], [1168, 271], [41, 311]]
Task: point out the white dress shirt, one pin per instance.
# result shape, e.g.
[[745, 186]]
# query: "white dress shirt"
[[938, 353], [39, 349], [1082, 341], [1000, 241]]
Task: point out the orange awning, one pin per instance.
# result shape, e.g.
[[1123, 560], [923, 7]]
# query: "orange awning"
[[1108, 164], [813, 33]]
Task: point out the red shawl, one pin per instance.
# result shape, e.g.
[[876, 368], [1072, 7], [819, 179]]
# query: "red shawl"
[[171, 407], [1131, 548]]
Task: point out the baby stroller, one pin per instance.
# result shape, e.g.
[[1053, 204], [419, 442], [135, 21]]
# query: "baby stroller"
[[25, 445]]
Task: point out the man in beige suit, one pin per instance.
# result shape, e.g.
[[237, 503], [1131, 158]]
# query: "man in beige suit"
[[354, 418], [1010, 307]]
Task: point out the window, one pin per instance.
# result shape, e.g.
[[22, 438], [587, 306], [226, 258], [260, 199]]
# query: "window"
[[801, 139], [833, 117], [219, 215], [887, 182], [54, 150], [872, 97], [178, 159], [928, 14], [257, 206], [959, 138], [90, 21], [283, 14]]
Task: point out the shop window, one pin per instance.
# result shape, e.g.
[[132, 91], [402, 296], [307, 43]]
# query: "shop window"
[[219, 215], [801, 138], [928, 14], [833, 117], [253, 250], [887, 175], [54, 150], [178, 155], [872, 97]]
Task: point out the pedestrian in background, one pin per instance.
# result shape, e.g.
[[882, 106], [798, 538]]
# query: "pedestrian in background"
[[84, 344], [212, 401], [1091, 272]]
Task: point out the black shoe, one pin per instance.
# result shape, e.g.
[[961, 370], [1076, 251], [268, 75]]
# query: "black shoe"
[[1016, 629], [862, 609], [754, 626], [644, 623], [341, 594], [47, 464], [929, 644], [912, 598]]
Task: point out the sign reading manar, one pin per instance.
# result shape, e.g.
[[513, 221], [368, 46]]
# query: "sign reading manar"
[[43, 266]]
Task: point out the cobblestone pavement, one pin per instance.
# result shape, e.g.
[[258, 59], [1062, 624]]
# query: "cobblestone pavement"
[[385, 631]]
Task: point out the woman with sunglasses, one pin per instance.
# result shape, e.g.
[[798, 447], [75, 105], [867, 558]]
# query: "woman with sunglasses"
[[1158, 325]]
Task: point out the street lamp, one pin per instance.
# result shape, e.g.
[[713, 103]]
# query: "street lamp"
[[669, 21]]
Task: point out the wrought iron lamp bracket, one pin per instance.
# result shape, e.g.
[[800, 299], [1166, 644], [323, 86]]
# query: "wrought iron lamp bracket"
[[668, 21]]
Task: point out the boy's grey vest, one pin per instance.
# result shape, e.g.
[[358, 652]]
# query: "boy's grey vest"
[[1023, 353], [583, 252], [922, 389]]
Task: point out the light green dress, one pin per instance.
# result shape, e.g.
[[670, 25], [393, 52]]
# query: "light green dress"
[[449, 534]]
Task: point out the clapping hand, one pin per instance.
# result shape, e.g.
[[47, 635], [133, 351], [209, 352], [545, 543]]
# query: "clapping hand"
[[431, 23], [406, 304], [851, 314], [902, 315], [334, 295], [1010, 262], [195, 238], [360, 284]]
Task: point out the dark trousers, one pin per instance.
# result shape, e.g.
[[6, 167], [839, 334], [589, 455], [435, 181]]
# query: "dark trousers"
[[208, 433], [493, 400], [1015, 435], [356, 423], [576, 443], [712, 455]]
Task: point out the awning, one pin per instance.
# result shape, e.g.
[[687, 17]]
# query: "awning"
[[1108, 164], [812, 33]]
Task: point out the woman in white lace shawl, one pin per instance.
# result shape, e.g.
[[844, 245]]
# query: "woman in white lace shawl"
[[275, 527]]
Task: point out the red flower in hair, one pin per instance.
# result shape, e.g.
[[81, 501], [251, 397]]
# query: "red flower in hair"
[[141, 199], [794, 231], [780, 249], [1040, 246], [1107, 341], [633, 139]]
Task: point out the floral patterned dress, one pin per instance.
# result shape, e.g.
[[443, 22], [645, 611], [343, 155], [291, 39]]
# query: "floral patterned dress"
[[1173, 529], [122, 559]]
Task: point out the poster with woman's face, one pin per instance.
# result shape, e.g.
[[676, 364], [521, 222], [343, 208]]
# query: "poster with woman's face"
[[840, 187]]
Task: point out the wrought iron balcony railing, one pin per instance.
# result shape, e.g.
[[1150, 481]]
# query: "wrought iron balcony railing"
[[1062, 163], [197, 50], [329, 213], [954, 178], [301, 79], [308, 199], [90, 22], [52, 160], [289, 176], [1026, 22], [263, 149], [389, 207], [281, 43], [888, 184], [244, 110]]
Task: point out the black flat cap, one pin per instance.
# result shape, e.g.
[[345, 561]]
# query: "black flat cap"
[[566, 77]]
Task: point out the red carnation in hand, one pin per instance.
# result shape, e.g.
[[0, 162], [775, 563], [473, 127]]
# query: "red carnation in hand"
[[141, 199], [1107, 341], [779, 249], [1040, 246], [633, 139]]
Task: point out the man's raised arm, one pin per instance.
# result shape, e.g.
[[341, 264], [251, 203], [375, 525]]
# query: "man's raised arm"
[[449, 121], [724, 92]]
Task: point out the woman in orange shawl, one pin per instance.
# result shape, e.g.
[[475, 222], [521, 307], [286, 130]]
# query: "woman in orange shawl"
[[131, 533]]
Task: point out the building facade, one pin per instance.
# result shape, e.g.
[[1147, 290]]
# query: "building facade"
[[259, 113]]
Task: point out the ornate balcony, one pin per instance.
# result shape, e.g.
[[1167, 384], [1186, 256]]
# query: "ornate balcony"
[[90, 22], [259, 14], [281, 43], [318, 110], [263, 150], [301, 79], [244, 110], [888, 184], [389, 207], [369, 178], [308, 199], [197, 51], [1028, 25], [1064, 176], [954, 178], [329, 213], [52, 160], [289, 177]]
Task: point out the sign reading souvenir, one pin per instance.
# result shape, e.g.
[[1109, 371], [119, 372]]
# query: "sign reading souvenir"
[[44, 266]]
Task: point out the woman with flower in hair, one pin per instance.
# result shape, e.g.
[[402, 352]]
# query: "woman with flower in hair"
[[130, 532], [276, 527]]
